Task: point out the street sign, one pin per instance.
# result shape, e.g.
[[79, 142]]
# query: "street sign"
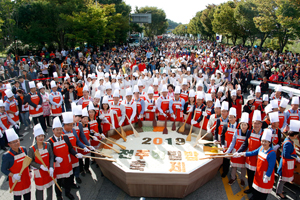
[[141, 18]]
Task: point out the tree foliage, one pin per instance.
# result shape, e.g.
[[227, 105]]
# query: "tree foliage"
[[181, 30], [159, 23]]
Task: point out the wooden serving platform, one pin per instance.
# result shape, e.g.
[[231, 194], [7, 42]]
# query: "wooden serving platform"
[[163, 185], [158, 184]]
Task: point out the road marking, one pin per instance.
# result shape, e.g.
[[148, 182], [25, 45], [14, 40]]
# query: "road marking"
[[229, 192]]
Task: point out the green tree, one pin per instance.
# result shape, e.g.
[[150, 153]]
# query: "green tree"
[[172, 24], [280, 18], [207, 18], [196, 27], [244, 13], [159, 23], [224, 22], [180, 30]]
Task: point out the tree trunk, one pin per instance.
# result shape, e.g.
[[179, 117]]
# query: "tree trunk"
[[263, 38]]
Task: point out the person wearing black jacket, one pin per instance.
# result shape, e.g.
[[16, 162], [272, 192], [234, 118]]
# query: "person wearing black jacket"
[[70, 96]]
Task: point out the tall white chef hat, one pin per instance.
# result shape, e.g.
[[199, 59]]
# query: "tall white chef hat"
[[283, 102], [136, 89], [164, 88], [221, 89], [107, 86], [85, 88], [184, 82], [85, 112], [97, 94], [232, 111], [155, 82], [77, 110], [91, 106], [233, 93], [38, 130], [257, 89], [57, 123], [53, 84], [11, 135], [192, 93], [245, 117], [239, 87], [256, 116], [116, 93], [128, 92], [199, 83], [217, 104], [31, 84], [67, 117], [265, 97], [140, 83], [295, 100], [267, 135], [9, 93], [274, 117], [268, 108], [294, 125], [39, 85], [207, 97], [105, 100], [224, 105], [278, 88], [55, 75], [177, 90], [150, 90], [274, 103]]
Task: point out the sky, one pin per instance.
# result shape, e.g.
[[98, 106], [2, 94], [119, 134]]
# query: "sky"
[[177, 11]]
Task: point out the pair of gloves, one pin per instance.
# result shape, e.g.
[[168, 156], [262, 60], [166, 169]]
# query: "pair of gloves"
[[91, 148], [38, 107], [100, 135], [236, 154], [51, 170]]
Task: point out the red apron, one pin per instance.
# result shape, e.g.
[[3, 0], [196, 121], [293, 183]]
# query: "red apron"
[[253, 143], [220, 128], [165, 108], [188, 117], [138, 110], [208, 111], [179, 116], [56, 111], [61, 149], [275, 137], [24, 185], [86, 133], [94, 126], [143, 95], [293, 116], [261, 169], [198, 113], [229, 135], [288, 166], [32, 111], [239, 107], [42, 179], [257, 103], [106, 126], [4, 120], [281, 119], [149, 115], [240, 161], [73, 140], [118, 116], [85, 102], [214, 125], [128, 111], [184, 95], [13, 108]]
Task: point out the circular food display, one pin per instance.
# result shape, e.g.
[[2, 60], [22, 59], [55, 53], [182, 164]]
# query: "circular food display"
[[155, 152]]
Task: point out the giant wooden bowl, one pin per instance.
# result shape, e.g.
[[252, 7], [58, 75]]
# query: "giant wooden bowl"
[[158, 184]]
